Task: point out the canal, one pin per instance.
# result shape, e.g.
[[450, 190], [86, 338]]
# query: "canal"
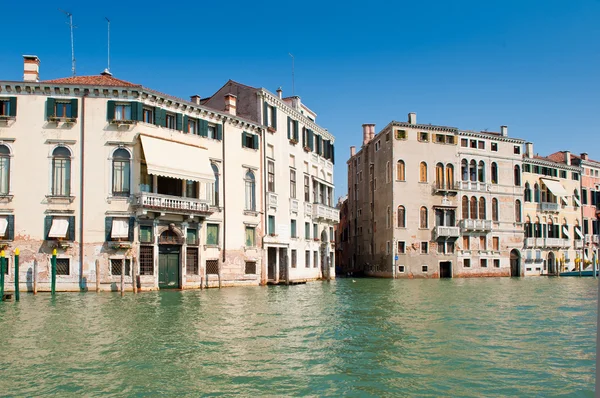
[[368, 337]]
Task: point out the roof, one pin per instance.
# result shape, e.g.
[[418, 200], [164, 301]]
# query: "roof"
[[96, 80], [560, 157]]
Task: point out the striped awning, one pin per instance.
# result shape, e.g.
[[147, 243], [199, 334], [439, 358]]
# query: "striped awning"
[[120, 228], [566, 232], [59, 228], [578, 233], [577, 201], [555, 187]]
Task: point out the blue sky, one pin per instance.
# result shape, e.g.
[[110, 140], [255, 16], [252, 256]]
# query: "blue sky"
[[532, 65]]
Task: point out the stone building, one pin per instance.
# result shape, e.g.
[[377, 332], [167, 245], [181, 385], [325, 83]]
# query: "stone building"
[[121, 178]]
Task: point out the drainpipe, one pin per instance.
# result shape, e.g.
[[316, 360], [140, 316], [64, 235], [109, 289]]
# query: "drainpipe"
[[224, 196], [81, 191], [263, 161]]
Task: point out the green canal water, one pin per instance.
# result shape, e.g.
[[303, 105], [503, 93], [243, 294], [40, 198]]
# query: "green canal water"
[[460, 337]]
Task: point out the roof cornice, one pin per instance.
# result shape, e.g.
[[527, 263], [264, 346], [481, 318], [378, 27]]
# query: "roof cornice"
[[490, 136], [429, 127], [541, 162]]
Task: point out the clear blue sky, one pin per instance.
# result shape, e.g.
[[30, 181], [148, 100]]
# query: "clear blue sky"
[[532, 65]]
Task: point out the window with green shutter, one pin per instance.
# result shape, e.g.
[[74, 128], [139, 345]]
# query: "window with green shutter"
[[271, 225], [192, 236], [250, 237], [146, 234], [203, 128], [212, 234], [8, 107]]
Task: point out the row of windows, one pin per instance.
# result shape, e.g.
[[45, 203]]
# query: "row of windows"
[[550, 230], [549, 171], [476, 209], [294, 229]]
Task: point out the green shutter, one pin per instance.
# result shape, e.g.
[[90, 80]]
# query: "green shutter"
[[332, 154], [154, 115], [203, 124], [12, 104], [289, 127], [179, 122], [110, 110], [220, 132], [255, 141], [131, 228], [310, 137], [10, 229], [50, 111], [244, 139], [71, 235], [163, 118], [265, 113], [47, 226], [274, 117], [108, 228], [186, 124], [303, 137], [137, 111], [74, 108], [296, 128]]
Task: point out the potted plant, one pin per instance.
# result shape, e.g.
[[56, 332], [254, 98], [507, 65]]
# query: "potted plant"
[[293, 141], [306, 148]]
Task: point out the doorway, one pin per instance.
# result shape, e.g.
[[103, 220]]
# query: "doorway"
[[283, 259], [168, 266], [271, 263], [446, 269], [515, 263], [551, 264]]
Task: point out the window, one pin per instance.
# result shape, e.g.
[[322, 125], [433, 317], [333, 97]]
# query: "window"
[[465, 207], [401, 247], [473, 170], [527, 192], [250, 237], [400, 134], [494, 173], [423, 136], [192, 126], [122, 111], [293, 231], [8, 106], [481, 144], [250, 268], [250, 184], [316, 259], [388, 217], [121, 172], [423, 172], [146, 234], [466, 243], [146, 183], [388, 172], [306, 230], [61, 172], [481, 172], [377, 146], [440, 138], [467, 263], [496, 263], [473, 209], [191, 236], [482, 212], [387, 136], [483, 262], [563, 174], [401, 217], [191, 189], [315, 231], [439, 175], [518, 210], [148, 115], [215, 187], [146, 260], [517, 150], [464, 142], [401, 269], [212, 234], [63, 109], [536, 193], [212, 267], [271, 225], [249, 140], [424, 247], [424, 268], [307, 259], [517, 176], [494, 209], [449, 176], [423, 217], [293, 184], [116, 266], [575, 176], [294, 258], [4, 170], [494, 146], [170, 121], [496, 243], [271, 176], [63, 266], [482, 243]]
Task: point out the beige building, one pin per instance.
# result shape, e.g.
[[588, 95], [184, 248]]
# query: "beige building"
[[121, 178], [552, 213], [299, 190]]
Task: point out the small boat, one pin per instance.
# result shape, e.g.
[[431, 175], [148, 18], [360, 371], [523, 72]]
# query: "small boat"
[[578, 273]]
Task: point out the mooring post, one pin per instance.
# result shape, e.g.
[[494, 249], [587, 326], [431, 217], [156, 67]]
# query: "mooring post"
[[134, 274], [17, 274], [219, 273], [53, 270], [123, 279], [97, 276], [2, 268], [34, 277]]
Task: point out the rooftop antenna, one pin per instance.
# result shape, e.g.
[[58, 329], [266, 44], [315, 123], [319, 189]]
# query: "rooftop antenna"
[[293, 88], [108, 66], [70, 23]]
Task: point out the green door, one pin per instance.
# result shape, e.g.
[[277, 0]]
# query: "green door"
[[168, 267]]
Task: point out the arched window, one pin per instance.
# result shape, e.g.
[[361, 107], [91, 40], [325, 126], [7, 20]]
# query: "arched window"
[[121, 172], [465, 207], [464, 170], [527, 193], [401, 217], [439, 175], [518, 210], [400, 171], [423, 172], [494, 173], [473, 171], [536, 193], [449, 176], [494, 209], [423, 217], [4, 170], [481, 172], [517, 176], [250, 184], [482, 209], [215, 188], [61, 171], [473, 209]]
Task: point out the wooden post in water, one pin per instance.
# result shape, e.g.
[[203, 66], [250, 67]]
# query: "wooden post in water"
[[134, 274], [2, 268], [97, 276], [123, 279], [17, 274], [219, 273], [35, 277], [53, 270]]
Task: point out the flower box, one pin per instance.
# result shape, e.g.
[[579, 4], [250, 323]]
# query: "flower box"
[[306, 149], [293, 141], [271, 129]]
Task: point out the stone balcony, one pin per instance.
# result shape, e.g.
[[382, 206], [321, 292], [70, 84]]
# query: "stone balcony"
[[549, 207], [272, 200], [446, 232], [172, 204], [474, 186], [591, 239], [475, 225], [294, 205], [443, 188], [578, 244], [325, 213], [558, 243]]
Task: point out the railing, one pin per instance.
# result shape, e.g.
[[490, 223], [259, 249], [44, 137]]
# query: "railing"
[[529, 242], [155, 201], [474, 186], [548, 242], [591, 238], [547, 206], [325, 212], [294, 205], [578, 244], [272, 199], [476, 225], [308, 208], [556, 242], [450, 232], [449, 187]]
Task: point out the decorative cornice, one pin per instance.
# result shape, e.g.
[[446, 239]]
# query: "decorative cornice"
[[489, 136], [550, 163], [429, 127]]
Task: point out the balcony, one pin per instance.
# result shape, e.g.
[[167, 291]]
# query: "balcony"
[[578, 244], [445, 188], [294, 205], [591, 239], [550, 207], [476, 225], [325, 213], [447, 232], [272, 199], [308, 208], [474, 186], [558, 243], [172, 204]]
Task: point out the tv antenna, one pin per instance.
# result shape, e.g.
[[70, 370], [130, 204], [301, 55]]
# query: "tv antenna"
[[293, 88], [70, 23], [108, 67]]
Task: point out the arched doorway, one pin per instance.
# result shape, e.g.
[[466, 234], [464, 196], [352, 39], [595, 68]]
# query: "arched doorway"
[[551, 264], [169, 264], [324, 251], [515, 263]]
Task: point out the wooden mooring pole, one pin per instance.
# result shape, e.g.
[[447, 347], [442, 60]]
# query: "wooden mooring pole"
[[97, 276], [35, 272], [2, 268], [134, 274], [17, 274], [123, 280]]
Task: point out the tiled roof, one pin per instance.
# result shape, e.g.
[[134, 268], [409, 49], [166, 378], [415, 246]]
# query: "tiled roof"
[[96, 80], [558, 157]]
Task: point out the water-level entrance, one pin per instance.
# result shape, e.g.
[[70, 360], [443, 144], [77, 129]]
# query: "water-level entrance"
[[446, 269], [515, 263]]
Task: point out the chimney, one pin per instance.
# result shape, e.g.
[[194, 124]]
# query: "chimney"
[[529, 149], [280, 93], [31, 68], [584, 156], [367, 133], [230, 104], [195, 99], [412, 118], [567, 158], [504, 131], [352, 150], [372, 131]]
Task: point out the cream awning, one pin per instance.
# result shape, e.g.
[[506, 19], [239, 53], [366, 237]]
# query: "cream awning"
[[566, 232], [60, 226], [578, 232], [3, 225], [555, 187], [176, 160], [120, 228], [577, 201]]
